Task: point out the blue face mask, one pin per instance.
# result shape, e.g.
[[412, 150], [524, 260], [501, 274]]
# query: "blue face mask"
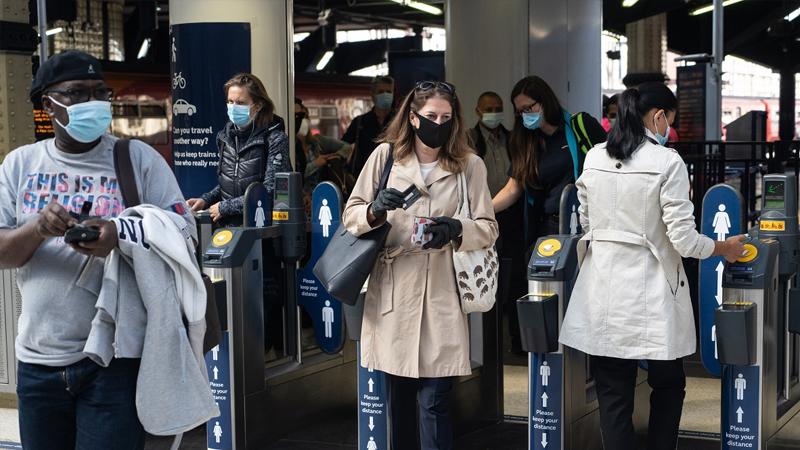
[[239, 114], [384, 100], [661, 139], [492, 120], [532, 120], [87, 121]]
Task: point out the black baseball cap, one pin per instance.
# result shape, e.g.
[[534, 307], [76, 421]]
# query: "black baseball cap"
[[67, 66]]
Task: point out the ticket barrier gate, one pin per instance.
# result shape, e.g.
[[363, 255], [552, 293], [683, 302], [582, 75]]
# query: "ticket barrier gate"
[[563, 409], [755, 411], [261, 403]]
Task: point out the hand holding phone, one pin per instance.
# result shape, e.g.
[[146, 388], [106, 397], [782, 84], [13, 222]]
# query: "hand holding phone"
[[81, 233]]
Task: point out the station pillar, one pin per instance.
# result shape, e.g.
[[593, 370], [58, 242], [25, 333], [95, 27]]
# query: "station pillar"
[[558, 41], [786, 124], [17, 43], [210, 41], [647, 50]]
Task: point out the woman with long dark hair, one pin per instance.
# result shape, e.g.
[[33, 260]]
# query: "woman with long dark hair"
[[413, 328], [252, 147], [547, 148], [631, 300]]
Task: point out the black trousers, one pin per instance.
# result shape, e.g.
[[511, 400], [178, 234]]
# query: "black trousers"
[[615, 380], [428, 397]]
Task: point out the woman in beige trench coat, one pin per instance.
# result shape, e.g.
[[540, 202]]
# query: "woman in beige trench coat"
[[631, 300], [413, 328]]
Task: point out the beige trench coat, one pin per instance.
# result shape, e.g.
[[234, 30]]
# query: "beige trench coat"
[[631, 299], [413, 325]]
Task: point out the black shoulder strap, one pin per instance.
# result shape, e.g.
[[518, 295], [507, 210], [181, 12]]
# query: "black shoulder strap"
[[125, 176], [387, 169]]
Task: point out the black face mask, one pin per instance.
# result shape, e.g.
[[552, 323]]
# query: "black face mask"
[[433, 134]]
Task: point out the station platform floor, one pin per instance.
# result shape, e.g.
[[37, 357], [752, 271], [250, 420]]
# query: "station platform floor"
[[338, 431]]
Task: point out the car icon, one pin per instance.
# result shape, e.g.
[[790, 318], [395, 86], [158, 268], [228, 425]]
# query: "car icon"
[[181, 106]]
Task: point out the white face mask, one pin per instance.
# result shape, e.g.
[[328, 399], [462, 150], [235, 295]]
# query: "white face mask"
[[305, 126]]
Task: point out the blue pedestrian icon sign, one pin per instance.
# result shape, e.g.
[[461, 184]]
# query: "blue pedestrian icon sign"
[[722, 217], [325, 311]]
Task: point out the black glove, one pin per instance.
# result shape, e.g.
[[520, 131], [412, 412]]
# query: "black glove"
[[443, 230], [387, 200]]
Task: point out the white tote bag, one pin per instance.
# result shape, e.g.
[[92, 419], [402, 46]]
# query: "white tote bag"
[[476, 270]]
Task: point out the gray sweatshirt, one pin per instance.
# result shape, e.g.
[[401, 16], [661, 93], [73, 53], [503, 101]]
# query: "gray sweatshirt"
[[59, 286], [140, 313]]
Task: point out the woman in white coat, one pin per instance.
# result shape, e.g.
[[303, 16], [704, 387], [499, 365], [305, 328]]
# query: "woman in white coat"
[[631, 300]]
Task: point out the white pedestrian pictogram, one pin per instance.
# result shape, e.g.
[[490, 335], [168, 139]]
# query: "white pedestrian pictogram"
[[740, 384], [174, 50], [714, 340], [573, 222], [261, 218], [215, 353], [325, 218], [327, 319], [544, 371], [721, 223], [371, 445], [217, 432]]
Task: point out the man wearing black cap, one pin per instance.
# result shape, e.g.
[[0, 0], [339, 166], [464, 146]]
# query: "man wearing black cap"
[[66, 400]]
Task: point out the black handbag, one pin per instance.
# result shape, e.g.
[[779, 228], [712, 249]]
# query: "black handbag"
[[348, 260]]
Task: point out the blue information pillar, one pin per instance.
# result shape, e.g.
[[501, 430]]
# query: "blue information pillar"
[[722, 217], [741, 411], [201, 63], [545, 378], [373, 409], [325, 311], [219, 430]]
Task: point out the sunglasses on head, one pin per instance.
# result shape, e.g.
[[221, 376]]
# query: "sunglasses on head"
[[443, 85]]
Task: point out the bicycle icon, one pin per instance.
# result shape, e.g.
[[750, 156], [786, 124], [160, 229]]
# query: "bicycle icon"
[[178, 81]]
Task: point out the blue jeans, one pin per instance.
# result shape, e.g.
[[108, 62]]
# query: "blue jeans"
[[421, 405], [82, 406]]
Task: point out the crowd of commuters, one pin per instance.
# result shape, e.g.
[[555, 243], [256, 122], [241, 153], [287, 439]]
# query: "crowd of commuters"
[[417, 334]]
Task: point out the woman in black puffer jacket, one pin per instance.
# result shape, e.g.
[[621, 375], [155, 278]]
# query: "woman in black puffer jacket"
[[253, 147]]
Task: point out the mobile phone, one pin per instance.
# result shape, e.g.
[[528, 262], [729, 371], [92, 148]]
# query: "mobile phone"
[[81, 233], [410, 196]]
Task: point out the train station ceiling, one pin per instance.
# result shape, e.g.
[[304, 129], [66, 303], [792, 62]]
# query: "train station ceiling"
[[754, 29]]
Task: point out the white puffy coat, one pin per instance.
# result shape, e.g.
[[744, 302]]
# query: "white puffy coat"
[[631, 299]]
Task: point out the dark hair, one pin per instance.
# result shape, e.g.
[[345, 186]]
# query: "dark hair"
[[525, 145], [257, 92], [400, 133], [490, 94], [629, 131]]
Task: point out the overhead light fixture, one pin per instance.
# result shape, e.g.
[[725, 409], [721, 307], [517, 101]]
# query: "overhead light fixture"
[[144, 49], [709, 8], [629, 3], [52, 31], [793, 15], [326, 58], [424, 7]]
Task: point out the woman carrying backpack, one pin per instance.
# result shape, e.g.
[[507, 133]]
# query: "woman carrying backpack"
[[547, 148]]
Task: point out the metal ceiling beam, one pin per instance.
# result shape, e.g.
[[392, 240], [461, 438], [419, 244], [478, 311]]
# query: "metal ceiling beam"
[[757, 27]]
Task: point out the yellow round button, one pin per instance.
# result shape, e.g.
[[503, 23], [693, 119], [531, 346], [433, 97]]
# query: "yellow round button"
[[222, 237], [750, 253], [549, 247]]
